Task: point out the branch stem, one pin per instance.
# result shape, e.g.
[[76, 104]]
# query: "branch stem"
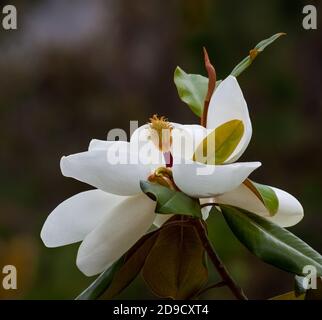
[[235, 289]]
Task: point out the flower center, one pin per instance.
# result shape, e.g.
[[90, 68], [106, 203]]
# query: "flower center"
[[163, 176], [160, 130]]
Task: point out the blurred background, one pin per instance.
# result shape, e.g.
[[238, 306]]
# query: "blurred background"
[[75, 69]]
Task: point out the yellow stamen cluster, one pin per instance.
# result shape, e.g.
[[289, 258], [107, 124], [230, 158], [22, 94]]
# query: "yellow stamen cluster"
[[160, 133]]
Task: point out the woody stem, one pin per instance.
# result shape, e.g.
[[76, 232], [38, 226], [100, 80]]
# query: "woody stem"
[[226, 277]]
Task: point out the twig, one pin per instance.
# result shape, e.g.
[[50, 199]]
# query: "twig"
[[235, 289]]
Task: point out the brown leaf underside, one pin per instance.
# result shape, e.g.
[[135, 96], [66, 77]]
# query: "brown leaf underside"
[[171, 260]]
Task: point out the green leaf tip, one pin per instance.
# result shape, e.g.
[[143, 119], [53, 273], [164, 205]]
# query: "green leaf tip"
[[265, 194], [253, 53], [192, 88]]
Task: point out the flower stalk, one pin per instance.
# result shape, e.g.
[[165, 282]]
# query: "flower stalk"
[[226, 277], [201, 229]]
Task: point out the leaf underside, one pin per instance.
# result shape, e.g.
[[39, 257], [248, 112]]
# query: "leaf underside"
[[171, 260], [175, 267], [134, 261]]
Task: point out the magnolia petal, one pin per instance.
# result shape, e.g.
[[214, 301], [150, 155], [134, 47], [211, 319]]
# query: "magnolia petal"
[[142, 142], [226, 104], [289, 213], [196, 132], [96, 144], [115, 170], [141, 134], [74, 218], [186, 138], [118, 231], [204, 181]]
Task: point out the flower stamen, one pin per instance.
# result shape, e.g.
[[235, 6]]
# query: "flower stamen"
[[160, 130]]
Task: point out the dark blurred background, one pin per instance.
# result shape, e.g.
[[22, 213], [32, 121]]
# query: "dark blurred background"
[[75, 69]]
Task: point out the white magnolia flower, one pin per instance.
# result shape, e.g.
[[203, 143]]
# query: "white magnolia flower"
[[110, 219], [224, 107]]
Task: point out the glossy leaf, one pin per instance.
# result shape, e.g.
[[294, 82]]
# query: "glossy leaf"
[[171, 201], [246, 62], [265, 194], [270, 242], [220, 143], [103, 281], [192, 89], [134, 261], [175, 267]]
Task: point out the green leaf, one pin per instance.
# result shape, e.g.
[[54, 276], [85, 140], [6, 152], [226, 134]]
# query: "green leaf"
[[171, 201], [246, 62], [134, 261], [175, 267], [265, 194], [288, 296], [97, 288], [270, 242], [220, 143], [192, 89]]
